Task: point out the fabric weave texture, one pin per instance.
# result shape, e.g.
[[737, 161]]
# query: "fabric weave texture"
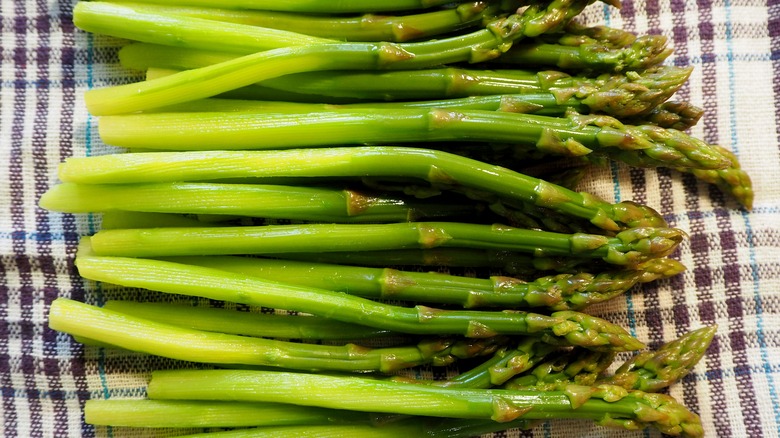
[[733, 256]]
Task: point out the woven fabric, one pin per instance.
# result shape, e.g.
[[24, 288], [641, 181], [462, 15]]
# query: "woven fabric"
[[733, 255]]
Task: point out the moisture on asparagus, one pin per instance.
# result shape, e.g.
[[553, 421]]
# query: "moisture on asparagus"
[[565, 327], [557, 292], [607, 405]]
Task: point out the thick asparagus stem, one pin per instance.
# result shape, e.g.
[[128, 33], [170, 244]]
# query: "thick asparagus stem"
[[193, 413], [209, 81], [606, 405], [268, 201], [246, 323], [439, 168], [565, 326], [629, 248], [368, 27], [654, 370], [558, 292], [125, 331]]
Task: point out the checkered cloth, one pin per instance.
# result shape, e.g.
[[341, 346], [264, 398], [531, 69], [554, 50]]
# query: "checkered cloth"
[[733, 255]]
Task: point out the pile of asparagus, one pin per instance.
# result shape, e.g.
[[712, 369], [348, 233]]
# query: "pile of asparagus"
[[317, 157]]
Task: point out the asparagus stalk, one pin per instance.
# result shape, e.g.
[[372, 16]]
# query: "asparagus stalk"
[[367, 27], [654, 370], [209, 81], [621, 95], [147, 413], [558, 292], [245, 323], [571, 136], [137, 334], [565, 326], [629, 247], [608, 405], [439, 168], [313, 6], [268, 201]]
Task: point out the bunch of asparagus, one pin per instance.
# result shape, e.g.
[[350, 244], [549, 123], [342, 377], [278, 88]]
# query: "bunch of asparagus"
[[317, 157]]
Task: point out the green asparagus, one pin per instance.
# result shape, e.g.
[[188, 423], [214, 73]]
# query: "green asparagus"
[[558, 292], [212, 80], [566, 327], [439, 168], [166, 340], [607, 405], [314, 6], [576, 367]]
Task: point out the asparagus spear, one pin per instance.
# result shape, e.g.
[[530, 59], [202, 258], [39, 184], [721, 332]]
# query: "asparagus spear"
[[621, 95], [565, 326], [571, 136], [440, 168], [166, 340], [732, 180], [629, 248], [265, 325], [209, 81], [607, 405], [654, 370], [367, 27], [268, 201], [558, 292]]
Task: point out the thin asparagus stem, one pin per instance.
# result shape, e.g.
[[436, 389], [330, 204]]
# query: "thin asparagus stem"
[[629, 248], [606, 405], [367, 27], [558, 292], [268, 201], [193, 413], [565, 326], [246, 323], [654, 370], [439, 168], [229, 75], [166, 340], [622, 95]]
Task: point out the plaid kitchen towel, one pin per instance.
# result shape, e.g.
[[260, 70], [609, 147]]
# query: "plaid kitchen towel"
[[733, 255]]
